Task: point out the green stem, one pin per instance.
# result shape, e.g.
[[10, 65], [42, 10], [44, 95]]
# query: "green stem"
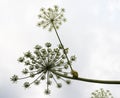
[[89, 80], [62, 46]]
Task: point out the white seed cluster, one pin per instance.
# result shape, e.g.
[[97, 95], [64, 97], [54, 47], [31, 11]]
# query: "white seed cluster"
[[51, 17], [101, 94], [42, 64]]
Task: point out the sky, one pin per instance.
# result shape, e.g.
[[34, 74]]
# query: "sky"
[[91, 32]]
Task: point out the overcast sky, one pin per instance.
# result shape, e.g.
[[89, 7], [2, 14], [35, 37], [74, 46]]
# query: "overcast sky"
[[92, 33]]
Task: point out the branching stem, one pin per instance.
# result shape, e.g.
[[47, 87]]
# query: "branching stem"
[[89, 80], [62, 46]]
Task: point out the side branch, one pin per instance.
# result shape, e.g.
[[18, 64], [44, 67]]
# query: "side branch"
[[62, 46], [89, 80]]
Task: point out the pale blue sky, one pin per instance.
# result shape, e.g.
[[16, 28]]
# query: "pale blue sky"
[[92, 33]]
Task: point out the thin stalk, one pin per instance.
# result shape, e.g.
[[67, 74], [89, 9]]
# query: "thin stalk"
[[89, 80], [36, 78], [29, 76], [62, 46]]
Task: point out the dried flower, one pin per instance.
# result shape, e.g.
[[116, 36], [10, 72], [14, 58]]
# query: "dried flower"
[[47, 91], [25, 71], [48, 44], [27, 54], [21, 59], [59, 85], [60, 46], [14, 78], [68, 81], [26, 84], [43, 64], [73, 58], [101, 94], [38, 47], [37, 82], [27, 62], [51, 17]]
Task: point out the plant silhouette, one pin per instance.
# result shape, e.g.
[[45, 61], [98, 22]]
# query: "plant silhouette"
[[52, 65]]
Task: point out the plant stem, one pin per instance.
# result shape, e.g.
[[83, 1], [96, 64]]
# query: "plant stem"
[[89, 80], [79, 78], [62, 46]]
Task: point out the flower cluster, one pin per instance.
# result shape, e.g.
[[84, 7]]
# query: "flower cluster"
[[101, 94], [51, 17], [42, 64]]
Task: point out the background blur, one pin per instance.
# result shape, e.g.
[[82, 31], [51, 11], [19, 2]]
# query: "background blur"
[[92, 33]]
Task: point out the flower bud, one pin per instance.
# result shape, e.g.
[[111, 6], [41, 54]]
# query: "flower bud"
[[74, 74]]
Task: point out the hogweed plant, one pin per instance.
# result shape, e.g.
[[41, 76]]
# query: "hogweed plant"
[[48, 64]]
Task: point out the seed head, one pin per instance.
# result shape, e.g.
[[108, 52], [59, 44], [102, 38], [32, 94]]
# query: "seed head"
[[21, 59], [43, 64], [47, 91], [48, 44], [14, 78], [25, 71], [73, 58], [38, 47], [37, 82], [59, 85], [26, 84], [51, 17], [101, 93], [68, 81]]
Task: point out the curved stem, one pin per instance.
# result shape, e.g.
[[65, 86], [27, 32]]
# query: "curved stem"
[[89, 80], [62, 46]]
